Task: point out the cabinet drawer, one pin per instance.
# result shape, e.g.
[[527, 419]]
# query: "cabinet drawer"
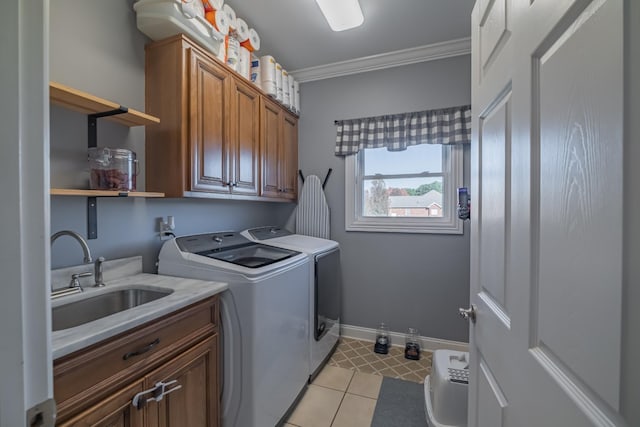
[[85, 376]]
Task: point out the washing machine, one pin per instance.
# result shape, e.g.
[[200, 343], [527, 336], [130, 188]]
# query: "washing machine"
[[264, 320], [325, 284]]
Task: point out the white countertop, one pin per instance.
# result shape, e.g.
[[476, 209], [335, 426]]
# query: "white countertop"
[[185, 292]]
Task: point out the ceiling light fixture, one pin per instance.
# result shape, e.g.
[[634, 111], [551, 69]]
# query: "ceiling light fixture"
[[341, 14]]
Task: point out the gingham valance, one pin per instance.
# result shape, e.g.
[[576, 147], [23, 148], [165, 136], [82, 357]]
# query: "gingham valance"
[[399, 131]]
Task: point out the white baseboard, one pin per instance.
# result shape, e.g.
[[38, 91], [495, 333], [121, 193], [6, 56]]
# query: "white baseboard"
[[397, 339]]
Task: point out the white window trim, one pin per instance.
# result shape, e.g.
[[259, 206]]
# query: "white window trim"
[[449, 224]]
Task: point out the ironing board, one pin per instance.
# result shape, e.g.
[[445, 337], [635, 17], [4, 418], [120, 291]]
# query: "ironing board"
[[312, 215]]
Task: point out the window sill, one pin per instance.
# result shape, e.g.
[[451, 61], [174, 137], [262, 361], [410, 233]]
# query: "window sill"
[[379, 225]]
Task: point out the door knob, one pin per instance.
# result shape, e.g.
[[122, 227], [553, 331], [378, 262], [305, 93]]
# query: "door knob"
[[468, 313]]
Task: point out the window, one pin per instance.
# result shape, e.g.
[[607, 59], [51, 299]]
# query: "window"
[[412, 188], [410, 191]]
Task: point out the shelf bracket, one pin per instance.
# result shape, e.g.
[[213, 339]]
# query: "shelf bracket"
[[92, 202], [92, 217], [93, 123]]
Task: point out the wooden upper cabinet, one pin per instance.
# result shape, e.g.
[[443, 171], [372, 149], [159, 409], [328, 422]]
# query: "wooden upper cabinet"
[[167, 95], [279, 146], [244, 128], [210, 143], [219, 136], [289, 156], [270, 139]]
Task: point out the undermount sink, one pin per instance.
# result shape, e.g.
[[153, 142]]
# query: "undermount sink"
[[86, 310]]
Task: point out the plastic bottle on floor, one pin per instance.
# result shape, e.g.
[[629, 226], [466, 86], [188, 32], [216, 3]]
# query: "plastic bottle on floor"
[[382, 340]]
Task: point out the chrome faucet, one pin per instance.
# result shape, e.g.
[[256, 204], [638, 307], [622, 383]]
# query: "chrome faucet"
[[79, 239], [74, 285]]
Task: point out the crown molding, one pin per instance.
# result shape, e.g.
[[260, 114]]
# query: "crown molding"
[[414, 55]]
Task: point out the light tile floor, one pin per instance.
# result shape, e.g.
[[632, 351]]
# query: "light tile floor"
[[345, 392], [338, 397]]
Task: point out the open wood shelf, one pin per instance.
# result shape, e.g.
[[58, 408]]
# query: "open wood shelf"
[[86, 103], [102, 193], [95, 108]]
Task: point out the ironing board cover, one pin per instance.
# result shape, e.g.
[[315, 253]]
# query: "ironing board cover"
[[312, 216]]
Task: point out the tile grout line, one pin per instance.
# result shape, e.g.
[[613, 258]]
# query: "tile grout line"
[[365, 397], [350, 380], [337, 410], [344, 393]]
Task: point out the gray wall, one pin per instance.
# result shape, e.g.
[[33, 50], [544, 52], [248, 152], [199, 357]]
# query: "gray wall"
[[406, 280], [403, 279], [96, 47]]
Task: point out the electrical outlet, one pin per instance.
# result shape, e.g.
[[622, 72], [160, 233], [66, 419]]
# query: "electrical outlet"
[[166, 228]]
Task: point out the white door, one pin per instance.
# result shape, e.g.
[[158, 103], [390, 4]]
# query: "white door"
[[546, 269]]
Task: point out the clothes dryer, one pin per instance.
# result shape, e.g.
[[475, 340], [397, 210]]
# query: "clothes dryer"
[[325, 284], [264, 319]]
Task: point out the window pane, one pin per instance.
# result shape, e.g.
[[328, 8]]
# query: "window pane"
[[415, 159], [415, 197]]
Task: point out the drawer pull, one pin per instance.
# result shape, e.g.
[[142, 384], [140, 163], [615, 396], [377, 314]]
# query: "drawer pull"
[[142, 350]]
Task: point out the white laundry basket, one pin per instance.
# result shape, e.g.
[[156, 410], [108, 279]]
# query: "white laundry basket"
[[159, 19], [445, 390]]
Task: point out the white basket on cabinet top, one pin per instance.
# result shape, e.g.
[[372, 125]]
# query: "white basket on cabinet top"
[[159, 19]]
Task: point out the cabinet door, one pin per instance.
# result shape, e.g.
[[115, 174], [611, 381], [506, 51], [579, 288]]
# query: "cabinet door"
[[195, 404], [244, 134], [208, 95], [289, 157], [114, 411], [270, 136]]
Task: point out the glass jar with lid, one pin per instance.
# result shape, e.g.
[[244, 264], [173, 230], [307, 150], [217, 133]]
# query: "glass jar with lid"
[[112, 169], [412, 345]]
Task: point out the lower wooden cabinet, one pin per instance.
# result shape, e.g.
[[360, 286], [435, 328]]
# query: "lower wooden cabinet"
[[184, 365], [195, 402], [114, 411]]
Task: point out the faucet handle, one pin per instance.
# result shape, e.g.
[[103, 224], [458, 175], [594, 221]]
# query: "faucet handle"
[[75, 282]]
